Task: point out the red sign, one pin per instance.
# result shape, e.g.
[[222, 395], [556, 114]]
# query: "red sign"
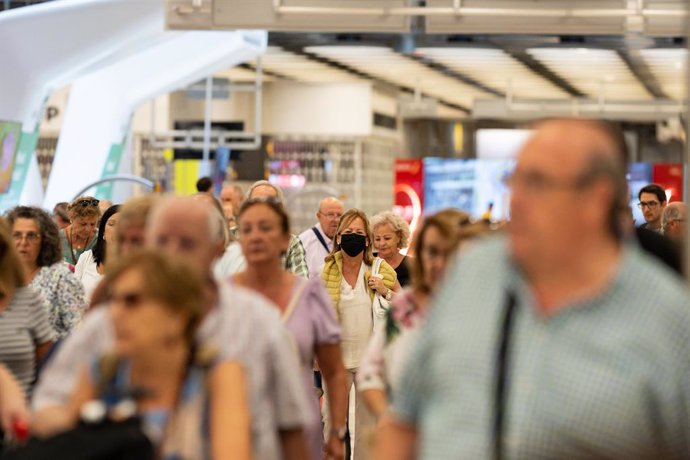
[[670, 177], [409, 190]]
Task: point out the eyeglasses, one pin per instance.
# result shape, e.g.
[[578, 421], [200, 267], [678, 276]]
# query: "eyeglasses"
[[331, 215], [648, 204], [536, 182], [85, 203], [31, 237]]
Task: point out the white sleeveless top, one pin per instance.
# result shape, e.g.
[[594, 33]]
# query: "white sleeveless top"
[[356, 319]]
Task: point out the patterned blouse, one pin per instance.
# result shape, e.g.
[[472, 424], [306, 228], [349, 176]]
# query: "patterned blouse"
[[63, 296]]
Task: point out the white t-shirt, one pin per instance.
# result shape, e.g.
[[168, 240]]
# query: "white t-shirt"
[[87, 272], [356, 319], [232, 261]]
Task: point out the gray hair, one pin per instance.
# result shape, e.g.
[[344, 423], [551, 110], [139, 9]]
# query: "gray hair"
[[279, 193], [395, 222], [214, 225]]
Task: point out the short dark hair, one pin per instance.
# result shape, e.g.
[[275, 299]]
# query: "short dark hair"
[[656, 189], [204, 184], [99, 249], [51, 247]]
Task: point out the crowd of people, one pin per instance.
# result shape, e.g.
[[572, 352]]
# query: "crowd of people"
[[563, 334]]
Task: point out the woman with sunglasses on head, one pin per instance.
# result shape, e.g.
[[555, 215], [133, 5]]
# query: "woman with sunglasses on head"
[[91, 264], [25, 333], [347, 274], [193, 405], [80, 235], [36, 239], [264, 236]]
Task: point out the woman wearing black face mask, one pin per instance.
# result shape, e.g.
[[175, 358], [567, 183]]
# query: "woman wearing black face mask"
[[347, 274]]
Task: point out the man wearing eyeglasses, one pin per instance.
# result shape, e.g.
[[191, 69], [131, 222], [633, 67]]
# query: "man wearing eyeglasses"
[[561, 340], [652, 203], [673, 219], [318, 240]]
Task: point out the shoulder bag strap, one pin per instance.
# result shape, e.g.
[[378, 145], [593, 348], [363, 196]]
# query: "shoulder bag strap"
[[501, 376], [321, 239], [295, 298]]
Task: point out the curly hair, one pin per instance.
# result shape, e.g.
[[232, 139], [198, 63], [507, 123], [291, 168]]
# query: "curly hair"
[[51, 248], [77, 210], [396, 223]]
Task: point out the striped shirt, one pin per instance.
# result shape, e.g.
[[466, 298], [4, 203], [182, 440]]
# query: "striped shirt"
[[608, 377], [23, 325]]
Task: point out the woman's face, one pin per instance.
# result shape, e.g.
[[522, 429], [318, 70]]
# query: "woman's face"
[[139, 321], [355, 226], [109, 233], [386, 241], [434, 256], [84, 227], [26, 234], [261, 236]]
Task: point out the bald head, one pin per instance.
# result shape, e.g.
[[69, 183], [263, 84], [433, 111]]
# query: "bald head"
[[568, 185], [330, 210], [673, 219], [186, 227]]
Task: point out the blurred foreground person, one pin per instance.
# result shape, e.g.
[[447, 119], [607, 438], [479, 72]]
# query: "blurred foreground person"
[[353, 283], [13, 409], [155, 305], [382, 364], [25, 333], [306, 309], [294, 259], [239, 322], [560, 341], [80, 235], [37, 241]]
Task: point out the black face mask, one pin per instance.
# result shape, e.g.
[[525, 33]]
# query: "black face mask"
[[352, 243]]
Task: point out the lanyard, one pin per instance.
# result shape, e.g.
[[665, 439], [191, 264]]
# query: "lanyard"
[[501, 376]]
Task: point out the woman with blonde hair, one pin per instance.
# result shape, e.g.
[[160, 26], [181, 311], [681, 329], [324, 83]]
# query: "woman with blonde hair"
[[351, 285], [439, 237], [80, 235]]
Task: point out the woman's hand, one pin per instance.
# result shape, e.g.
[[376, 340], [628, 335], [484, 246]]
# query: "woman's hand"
[[335, 449], [376, 284], [12, 402]]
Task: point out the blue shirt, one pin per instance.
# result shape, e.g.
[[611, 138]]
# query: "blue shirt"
[[604, 378]]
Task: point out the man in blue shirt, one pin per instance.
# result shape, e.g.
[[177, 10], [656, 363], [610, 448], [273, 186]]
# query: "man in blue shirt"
[[559, 341]]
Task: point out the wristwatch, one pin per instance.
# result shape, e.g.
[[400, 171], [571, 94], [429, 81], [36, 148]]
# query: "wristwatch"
[[389, 295], [339, 433]]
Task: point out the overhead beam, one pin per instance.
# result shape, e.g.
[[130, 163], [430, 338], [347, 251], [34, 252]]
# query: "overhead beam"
[[641, 71], [296, 49], [540, 69], [448, 72]]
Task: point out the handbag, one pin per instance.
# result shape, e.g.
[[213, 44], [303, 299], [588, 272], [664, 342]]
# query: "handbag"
[[380, 305], [107, 440]]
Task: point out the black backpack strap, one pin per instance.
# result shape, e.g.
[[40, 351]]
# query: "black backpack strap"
[[320, 237], [501, 375]]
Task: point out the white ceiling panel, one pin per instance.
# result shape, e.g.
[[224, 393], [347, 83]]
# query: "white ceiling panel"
[[669, 67], [496, 69], [302, 68], [595, 72], [392, 67]]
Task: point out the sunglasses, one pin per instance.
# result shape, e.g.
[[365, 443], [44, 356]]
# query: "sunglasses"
[[85, 203]]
